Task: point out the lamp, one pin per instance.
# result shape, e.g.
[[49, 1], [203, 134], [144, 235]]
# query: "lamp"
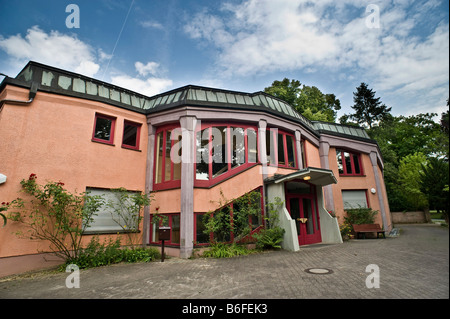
[[307, 178]]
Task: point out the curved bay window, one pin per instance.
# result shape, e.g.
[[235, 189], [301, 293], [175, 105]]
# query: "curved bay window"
[[223, 150], [349, 164], [167, 172]]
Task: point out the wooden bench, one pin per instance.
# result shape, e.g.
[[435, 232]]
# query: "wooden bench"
[[368, 228]]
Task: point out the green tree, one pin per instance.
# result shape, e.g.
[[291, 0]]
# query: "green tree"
[[286, 90], [410, 172], [434, 180], [369, 110], [307, 100]]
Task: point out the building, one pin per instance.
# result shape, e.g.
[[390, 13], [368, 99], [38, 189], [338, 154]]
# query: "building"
[[187, 146]]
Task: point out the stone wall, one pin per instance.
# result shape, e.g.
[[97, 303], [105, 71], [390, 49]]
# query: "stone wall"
[[409, 217]]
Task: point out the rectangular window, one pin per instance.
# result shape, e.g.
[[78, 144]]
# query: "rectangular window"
[[168, 158], [108, 220], [280, 148], [131, 135], [202, 160], [354, 199], [349, 163], [200, 236], [103, 129]]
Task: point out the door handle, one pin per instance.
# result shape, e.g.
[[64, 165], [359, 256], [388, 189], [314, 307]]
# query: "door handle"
[[302, 220]]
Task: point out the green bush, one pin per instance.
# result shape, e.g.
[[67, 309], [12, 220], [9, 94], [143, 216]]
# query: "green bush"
[[269, 238], [96, 254], [221, 250], [358, 216]]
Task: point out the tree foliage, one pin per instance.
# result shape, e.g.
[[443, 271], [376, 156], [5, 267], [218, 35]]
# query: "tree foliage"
[[369, 110], [307, 100], [434, 181]]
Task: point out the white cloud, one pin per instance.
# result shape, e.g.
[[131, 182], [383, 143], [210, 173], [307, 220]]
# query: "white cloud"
[[152, 25], [149, 87], [145, 69], [54, 48]]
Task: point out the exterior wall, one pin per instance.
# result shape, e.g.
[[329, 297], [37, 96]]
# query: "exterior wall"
[[365, 182], [51, 138], [312, 155]]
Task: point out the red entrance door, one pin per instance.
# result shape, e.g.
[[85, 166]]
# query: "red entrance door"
[[303, 210]]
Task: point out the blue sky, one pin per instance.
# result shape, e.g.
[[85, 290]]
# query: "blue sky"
[[399, 47]]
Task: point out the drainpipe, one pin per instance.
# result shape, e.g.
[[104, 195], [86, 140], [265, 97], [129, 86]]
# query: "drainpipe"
[[32, 94]]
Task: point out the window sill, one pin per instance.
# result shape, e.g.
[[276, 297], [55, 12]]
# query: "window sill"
[[101, 142], [344, 175], [131, 149], [108, 232]]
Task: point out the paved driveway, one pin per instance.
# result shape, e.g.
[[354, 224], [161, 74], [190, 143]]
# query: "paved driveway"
[[413, 265]]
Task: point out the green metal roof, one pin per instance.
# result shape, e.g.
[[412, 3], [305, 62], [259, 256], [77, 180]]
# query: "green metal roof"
[[60, 81]]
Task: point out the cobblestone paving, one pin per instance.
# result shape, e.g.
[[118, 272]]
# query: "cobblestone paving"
[[413, 265]]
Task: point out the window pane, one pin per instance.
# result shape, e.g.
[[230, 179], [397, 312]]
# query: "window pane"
[[252, 146], [175, 239], [177, 166], [103, 128], [202, 157], [159, 155], [302, 147], [339, 160], [200, 228], [238, 146], [308, 213], [270, 148], [280, 145], [219, 151], [130, 135], [356, 164], [290, 150], [168, 162], [348, 163]]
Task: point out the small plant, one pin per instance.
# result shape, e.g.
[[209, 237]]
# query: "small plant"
[[4, 207], [346, 230]]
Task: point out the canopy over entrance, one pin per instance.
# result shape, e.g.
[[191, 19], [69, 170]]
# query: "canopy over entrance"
[[316, 176]]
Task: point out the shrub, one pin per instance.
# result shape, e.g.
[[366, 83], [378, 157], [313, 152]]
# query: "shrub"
[[221, 250], [98, 254], [269, 238], [360, 216]]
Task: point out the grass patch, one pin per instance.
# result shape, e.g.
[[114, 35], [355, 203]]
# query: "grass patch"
[[221, 250]]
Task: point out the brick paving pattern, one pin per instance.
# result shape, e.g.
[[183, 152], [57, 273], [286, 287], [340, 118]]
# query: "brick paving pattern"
[[413, 265]]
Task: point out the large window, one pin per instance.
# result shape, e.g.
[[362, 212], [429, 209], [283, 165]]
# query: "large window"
[[280, 148], [223, 150], [354, 199], [167, 158], [107, 219], [104, 129], [349, 163]]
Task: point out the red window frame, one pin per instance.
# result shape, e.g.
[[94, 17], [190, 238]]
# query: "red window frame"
[[170, 224], [138, 134], [274, 133], [169, 183], [230, 205], [352, 163], [230, 170], [110, 141]]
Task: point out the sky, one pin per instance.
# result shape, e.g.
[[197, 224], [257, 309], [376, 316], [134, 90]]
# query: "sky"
[[400, 48]]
